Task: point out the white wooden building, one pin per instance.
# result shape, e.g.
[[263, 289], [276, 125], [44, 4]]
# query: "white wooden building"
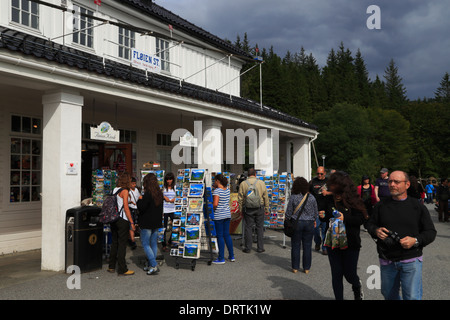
[[67, 65]]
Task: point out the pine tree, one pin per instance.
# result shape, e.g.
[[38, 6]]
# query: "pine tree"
[[442, 93], [395, 90], [362, 78]]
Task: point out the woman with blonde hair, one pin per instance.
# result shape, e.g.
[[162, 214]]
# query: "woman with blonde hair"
[[121, 227]]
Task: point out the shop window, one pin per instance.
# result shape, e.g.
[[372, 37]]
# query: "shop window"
[[126, 43], [128, 136], [25, 157], [162, 51], [22, 124], [83, 27], [25, 170], [163, 156], [25, 12], [163, 140]]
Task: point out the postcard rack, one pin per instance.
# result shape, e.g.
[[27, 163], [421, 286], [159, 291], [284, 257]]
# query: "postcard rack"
[[192, 226]]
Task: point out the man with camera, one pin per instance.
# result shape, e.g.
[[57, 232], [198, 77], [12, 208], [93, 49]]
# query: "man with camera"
[[401, 226]]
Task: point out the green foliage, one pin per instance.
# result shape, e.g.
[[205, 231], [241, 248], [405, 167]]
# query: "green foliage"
[[364, 124]]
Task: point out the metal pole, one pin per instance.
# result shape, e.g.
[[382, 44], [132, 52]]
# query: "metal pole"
[[260, 85]]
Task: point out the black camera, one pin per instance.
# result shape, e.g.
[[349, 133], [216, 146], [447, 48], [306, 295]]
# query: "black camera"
[[392, 238]]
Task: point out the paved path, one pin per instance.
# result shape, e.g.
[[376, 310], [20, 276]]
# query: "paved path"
[[254, 276]]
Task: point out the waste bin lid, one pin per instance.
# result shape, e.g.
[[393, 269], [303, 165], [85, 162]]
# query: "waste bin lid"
[[88, 210]]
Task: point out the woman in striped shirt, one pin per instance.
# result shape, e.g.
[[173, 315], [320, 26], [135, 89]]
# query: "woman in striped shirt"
[[169, 205], [222, 217]]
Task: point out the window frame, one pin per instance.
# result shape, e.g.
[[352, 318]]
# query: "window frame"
[[124, 49], [163, 52], [83, 26], [30, 14], [25, 147]]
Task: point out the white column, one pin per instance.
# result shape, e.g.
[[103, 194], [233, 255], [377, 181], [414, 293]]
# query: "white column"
[[60, 191], [210, 147], [301, 158], [267, 151]]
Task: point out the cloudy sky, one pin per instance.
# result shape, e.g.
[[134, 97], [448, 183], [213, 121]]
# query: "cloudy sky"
[[415, 33]]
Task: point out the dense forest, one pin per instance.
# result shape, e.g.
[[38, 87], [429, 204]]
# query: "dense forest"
[[364, 124]]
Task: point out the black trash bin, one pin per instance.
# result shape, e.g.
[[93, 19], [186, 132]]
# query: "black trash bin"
[[84, 238]]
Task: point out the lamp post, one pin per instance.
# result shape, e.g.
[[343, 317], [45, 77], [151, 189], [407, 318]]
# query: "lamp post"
[[323, 160]]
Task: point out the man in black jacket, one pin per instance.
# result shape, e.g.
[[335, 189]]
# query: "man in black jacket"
[[402, 227]]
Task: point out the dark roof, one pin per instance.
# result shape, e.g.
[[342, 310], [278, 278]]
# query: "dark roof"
[[14, 40], [166, 16]]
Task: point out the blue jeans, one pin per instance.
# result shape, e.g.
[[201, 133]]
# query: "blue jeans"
[[407, 275], [149, 239], [223, 237], [302, 238]]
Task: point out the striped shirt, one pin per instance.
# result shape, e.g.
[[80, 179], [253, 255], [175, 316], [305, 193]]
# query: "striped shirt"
[[169, 206], [223, 208]]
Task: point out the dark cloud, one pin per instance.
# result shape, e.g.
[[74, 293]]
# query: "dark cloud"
[[414, 33]]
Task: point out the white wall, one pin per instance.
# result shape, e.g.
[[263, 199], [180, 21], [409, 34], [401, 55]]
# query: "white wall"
[[187, 60]]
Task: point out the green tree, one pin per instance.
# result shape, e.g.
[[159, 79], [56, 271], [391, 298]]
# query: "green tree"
[[346, 134], [442, 93], [395, 90], [362, 79], [391, 140]]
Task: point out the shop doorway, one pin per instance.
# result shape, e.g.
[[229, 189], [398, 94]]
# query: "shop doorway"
[[101, 155]]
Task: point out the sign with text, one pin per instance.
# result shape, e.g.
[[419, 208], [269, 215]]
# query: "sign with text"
[[105, 132], [142, 60]]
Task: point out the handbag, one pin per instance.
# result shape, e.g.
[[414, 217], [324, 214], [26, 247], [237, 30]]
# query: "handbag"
[[289, 224]]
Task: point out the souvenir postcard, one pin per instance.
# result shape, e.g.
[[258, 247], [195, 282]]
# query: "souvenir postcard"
[[180, 250], [182, 231], [178, 201], [192, 233], [184, 202], [214, 246], [161, 234], [174, 252], [187, 174], [196, 189], [193, 219], [176, 222], [191, 250], [177, 215], [183, 221], [197, 175], [175, 237], [178, 207], [159, 174], [195, 204]]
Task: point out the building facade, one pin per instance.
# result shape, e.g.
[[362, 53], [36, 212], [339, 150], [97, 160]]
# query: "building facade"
[[67, 66]]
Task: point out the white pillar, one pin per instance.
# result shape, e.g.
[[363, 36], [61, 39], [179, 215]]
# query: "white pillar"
[[301, 158], [60, 191], [267, 151], [210, 147]]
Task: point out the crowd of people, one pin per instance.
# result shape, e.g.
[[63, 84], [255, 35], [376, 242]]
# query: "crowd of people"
[[328, 211]]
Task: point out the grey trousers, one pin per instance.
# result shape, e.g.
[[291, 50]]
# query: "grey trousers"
[[254, 217]]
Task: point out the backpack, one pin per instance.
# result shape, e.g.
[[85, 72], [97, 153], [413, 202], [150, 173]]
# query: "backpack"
[[110, 209], [253, 199]]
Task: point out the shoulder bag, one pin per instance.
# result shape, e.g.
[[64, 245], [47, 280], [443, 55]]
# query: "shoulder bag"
[[289, 224]]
